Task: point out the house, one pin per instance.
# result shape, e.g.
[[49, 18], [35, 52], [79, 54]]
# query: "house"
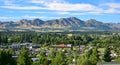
[[69, 45], [62, 46], [15, 57], [3, 47], [35, 59], [33, 47], [69, 35], [16, 46], [108, 63], [82, 48]]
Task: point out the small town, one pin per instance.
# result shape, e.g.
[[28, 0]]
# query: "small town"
[[64, 51]]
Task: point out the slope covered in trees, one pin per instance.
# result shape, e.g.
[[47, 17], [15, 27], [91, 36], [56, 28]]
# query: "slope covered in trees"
[[98, 47]]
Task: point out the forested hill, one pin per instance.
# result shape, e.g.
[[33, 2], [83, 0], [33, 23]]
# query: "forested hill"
[[71, 23]]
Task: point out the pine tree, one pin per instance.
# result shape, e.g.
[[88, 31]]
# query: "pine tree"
[[6, 58], [52, 54], [118, 59], [70, 58], [107, 57], [88, 54], [23, 57], [42, 58], [80, 59], [83, 60], [86, 62], [59, 59], [94, 58]]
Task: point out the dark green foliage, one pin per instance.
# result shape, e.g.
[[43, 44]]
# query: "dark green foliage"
[[23, 58], [95, 39], [107, 57], [78, 38], [89, 58], [46, 62], [52, 54], [42, 58], [59, 59], [83, 60], [86, 62], [6, 58], [94, 58], [88, 54], [69, 59], [49, 38]]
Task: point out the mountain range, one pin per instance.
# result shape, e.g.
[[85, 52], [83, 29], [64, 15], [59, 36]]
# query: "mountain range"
[[63, 24]]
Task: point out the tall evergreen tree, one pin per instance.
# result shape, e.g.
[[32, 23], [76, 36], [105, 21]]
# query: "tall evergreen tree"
[[88, 54], [6, 58], [86, 62], [23, 58], [59, 59], [42, 59], [94, 58], [52, 54], [80, 59], [107, 57], [83, 60]]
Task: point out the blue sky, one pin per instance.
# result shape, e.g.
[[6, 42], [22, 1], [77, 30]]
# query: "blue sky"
[[101, 10]]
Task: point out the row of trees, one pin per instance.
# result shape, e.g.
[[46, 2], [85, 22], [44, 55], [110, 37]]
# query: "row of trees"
[[50, 38], [61, 57], [55, 38]]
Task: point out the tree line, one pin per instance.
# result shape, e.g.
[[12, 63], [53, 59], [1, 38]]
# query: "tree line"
[[100, 39], [61, 57]]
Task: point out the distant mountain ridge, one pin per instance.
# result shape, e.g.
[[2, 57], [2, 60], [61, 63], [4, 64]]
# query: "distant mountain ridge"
[[71, 23]]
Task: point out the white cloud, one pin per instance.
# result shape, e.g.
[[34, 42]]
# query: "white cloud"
[[23, 7], [32, 17], [112, 11], [111, 8], [112, 5], [62, 12], [70, 7], [10, 2], [65, 7], [39, 12], [7, 17], [47, 1], [15, 18], [56, 5], [62, 7], [78, 14]]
